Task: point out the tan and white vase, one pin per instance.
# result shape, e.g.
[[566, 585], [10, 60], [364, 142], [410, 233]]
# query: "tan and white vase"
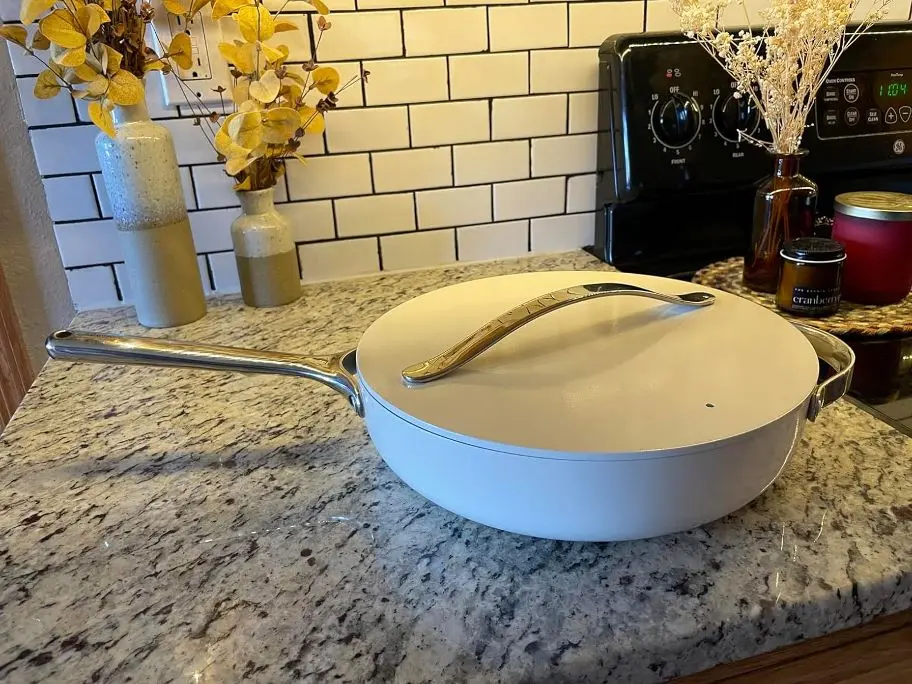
[[144, 187], [265, 251]]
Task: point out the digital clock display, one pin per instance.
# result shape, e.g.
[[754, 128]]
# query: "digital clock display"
[[893, 89], [890, 88]]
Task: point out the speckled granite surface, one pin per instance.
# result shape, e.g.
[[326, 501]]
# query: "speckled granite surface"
[[164, 525]]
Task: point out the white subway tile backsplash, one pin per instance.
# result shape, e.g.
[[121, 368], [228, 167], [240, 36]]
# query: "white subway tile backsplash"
[[88, 243], [339, 259], [588, 21], [418, 250], [309, 220], [224, 272], [563, 155], [490, 75], [212, 229], [305, 7], [335, 176], [896, 11], [493, 241], [23, 63], [396, 81], [454, 206], [70, 198], [9, 10], [215, 189], [528, 117], [563, 233], [456, 3], [190, 142], [445, 31], [104, 203], [58, 110], [491, 162], [397, 4], [449, 122], [526, 199], [92, 288], [361, 35], [581, 193], [522, 27], [583, 112], [562, 71], [375, 214], [65, 150], [412, 169], [357, 130], [660, 16]]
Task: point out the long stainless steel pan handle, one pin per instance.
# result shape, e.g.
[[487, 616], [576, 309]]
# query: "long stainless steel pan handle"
[[838, 355], [489, 334], [336, 371]]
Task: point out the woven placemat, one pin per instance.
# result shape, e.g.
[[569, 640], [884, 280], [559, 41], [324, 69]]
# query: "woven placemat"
[[851, 319]]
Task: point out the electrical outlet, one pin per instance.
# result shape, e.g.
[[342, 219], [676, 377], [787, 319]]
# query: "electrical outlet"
[[208, 72]]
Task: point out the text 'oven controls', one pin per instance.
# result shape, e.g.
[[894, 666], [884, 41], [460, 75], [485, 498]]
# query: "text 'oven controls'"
[[732, 114], [675, 120]]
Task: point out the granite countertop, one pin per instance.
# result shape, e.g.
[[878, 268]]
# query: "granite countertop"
[[167, 525]]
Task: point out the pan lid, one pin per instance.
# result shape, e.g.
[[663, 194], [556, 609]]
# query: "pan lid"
[[615, 375]]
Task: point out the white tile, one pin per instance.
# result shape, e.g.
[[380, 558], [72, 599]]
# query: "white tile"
[[23, 63], [660, 16], [563, 233], [589, 21], [526, 199], [92, 288], [563, 155], [84, 244], [493, 241], [361, 35], [418, 250], [57, 110], [202, 264], [336, 176], [189, 198], [561, 71], [491, 162], [454, 206], [105, 204], [353, 95], [190, 142], [126, 288], [224, 272], [356, 130], [489, 75], [212, 229], [581, 193], [395, 81], [896, 11], [214, 187], [734, 14], [9, 10], [339, 259], [394, 4], [456, 3], [65, 150], [528, 26], [301, 6], [449, 122], [375, 214], [528, 117], [445, 31], [412, 169], [70, 198], [583, 112], [309, 220]]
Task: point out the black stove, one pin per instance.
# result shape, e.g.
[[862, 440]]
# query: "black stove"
[[675, 187]]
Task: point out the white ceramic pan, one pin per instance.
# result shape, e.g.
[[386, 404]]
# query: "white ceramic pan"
[[616, 417]]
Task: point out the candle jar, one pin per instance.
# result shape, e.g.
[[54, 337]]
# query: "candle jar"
[[810, 277]]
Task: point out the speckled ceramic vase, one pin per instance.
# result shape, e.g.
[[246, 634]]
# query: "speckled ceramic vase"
[[265, 252], [144, 187]]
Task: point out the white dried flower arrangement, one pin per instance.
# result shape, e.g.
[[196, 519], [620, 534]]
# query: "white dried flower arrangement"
[[782, 66]]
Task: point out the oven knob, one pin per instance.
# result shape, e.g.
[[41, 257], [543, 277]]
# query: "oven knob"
[[733, 114], [675, 120]]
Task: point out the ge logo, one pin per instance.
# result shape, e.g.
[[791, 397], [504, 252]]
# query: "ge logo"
[[899, 146]]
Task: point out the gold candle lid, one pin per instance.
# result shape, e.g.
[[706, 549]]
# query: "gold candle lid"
[[880, 206]]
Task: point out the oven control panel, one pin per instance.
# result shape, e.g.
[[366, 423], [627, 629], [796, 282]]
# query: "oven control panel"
[[865, 103]]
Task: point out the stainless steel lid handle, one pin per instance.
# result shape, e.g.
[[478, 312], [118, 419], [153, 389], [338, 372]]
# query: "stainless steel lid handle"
[[489, 334], [840, 357], [70, 345]]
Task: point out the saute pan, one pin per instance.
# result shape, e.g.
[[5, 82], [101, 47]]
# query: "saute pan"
[[647, 407]]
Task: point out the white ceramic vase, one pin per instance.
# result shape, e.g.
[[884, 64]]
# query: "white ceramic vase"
[[265, 251], [141, 176]]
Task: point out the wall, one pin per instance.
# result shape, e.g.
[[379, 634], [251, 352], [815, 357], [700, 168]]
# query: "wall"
[[29, 256], [474, 139]]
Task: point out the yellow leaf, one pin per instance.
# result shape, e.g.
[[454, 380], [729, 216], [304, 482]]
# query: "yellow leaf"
[[226, 147], [280, 124], [241, 92], [237, 164], [154, 65], [178, 7], [244, 129], [14, 34], [102, 118], [267, 88], [196, 6], [181, 51], [90, 18], [97, 86], [274, 56], [114, 60], [125, 88], [320, 6], [291, 92], [47, 85], [60, 27], [70, 58], [82, 73], [255, 23], [222, 8], [243, 185], [285, 26], [325, 79], [40, 41], [311, 120], [243, 56], [296, 77], [32, 9]]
